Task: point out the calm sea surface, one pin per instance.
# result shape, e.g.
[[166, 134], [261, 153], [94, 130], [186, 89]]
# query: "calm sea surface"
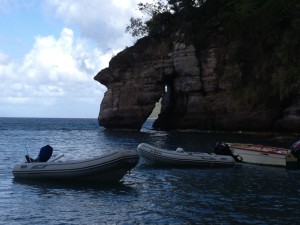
[[245, 194]]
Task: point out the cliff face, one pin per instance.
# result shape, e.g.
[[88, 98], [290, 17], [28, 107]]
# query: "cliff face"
[[136, 81], [231, 83]]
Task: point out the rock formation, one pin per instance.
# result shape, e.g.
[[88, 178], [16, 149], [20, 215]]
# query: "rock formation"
[[136, 81], [224, 86]]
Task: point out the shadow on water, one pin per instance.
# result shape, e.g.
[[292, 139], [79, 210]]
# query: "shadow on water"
[[191, 140], [75, 186]]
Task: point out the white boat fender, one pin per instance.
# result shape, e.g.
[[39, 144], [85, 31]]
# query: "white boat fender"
[[179, 149], [239, 158]]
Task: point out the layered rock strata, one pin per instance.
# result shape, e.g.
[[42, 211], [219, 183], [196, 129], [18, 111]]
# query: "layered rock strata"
[[197, 90]]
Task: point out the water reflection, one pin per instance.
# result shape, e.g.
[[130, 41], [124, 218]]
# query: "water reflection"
[[42, 187]]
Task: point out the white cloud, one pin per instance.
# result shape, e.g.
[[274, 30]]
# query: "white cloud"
[[54, 60], [54, 68], [56, 75], [103, 21]]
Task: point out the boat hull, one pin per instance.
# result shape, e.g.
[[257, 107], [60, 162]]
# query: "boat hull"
[[183, 159], [110, 167], [263, 155]]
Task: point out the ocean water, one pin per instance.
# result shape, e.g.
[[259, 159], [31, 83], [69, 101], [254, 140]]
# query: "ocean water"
[[245, 194]]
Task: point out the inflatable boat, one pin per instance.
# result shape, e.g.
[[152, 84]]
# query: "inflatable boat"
[[181, 158], [109, 167]]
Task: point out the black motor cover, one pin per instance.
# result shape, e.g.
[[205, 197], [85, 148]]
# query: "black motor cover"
[[45, 153], [221, 148]]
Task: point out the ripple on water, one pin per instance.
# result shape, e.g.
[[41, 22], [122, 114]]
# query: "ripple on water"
[[245, 194]]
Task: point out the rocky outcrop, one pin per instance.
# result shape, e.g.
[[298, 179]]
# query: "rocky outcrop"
[[194, 94], [194, 97], [230, 84], [136, 81]]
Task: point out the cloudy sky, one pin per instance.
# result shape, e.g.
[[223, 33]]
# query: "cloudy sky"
[[50, 51]]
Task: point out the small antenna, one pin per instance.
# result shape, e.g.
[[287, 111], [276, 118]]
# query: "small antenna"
[[28, 154]]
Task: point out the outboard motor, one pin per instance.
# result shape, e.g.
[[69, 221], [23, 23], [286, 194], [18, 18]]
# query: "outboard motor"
[[44, 155], [221, 148], [295, 150]]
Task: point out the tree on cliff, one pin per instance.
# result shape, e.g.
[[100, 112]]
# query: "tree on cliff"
[[259, 28], [159, 17], [155, 13], [178, 5]]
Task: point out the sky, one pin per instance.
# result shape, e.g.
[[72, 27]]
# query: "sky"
[[50, 51]]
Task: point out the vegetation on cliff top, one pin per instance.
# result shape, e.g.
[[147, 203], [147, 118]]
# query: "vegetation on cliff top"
[[265, 33]]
